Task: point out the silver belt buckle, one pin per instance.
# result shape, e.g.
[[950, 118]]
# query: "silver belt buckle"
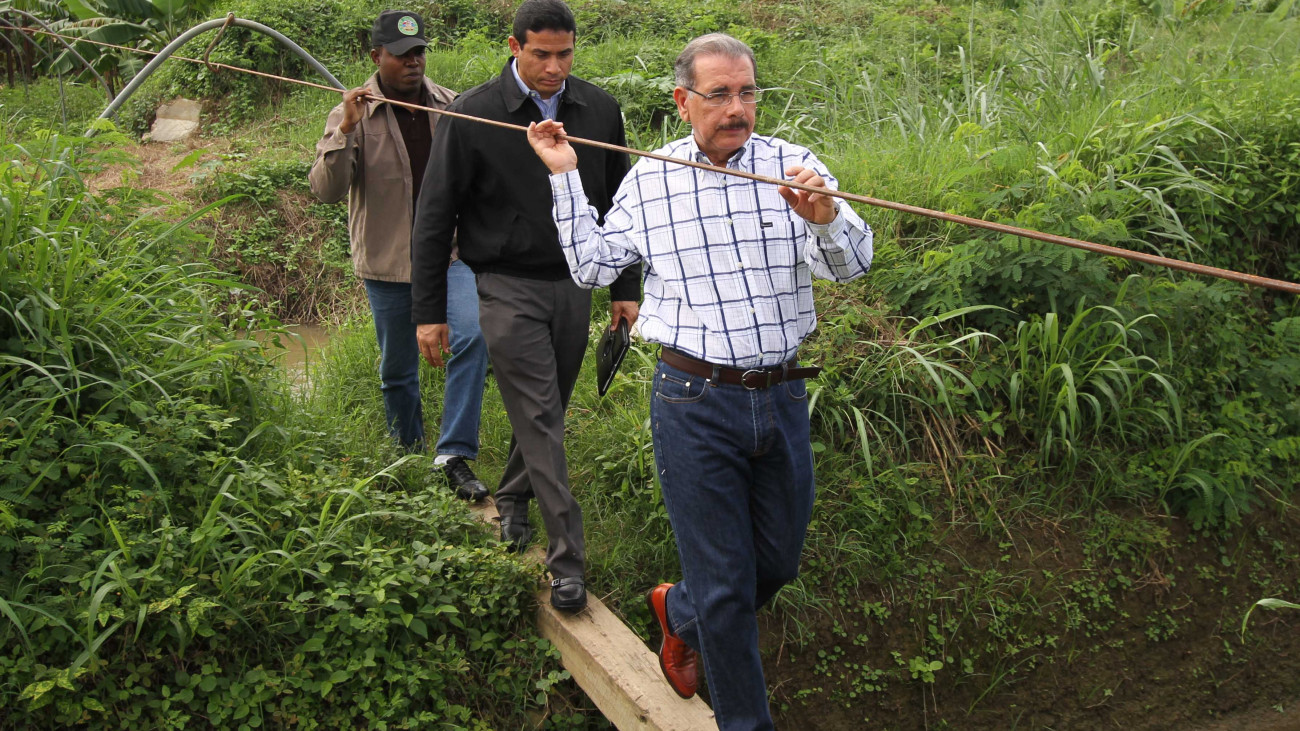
[[744, 377]]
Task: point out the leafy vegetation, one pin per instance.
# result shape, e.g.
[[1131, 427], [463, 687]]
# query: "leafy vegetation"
[[144, 24], [99, 34], [178, 545]]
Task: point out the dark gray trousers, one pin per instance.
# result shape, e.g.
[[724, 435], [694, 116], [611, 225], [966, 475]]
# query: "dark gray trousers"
[[536, 334]]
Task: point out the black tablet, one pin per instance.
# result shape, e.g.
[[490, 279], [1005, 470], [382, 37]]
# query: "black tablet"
[[609, 355]]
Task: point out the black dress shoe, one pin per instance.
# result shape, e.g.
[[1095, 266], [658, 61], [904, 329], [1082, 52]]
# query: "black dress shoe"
[[569, 594], [515, 533], [462, 478]]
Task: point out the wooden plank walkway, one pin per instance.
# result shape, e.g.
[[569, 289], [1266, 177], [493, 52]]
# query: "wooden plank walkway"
[[611, 664]]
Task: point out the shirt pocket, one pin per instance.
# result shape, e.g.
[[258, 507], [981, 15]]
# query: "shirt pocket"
[[780, 237], [769, 243]]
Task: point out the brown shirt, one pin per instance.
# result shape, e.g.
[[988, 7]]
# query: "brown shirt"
[[417, 133], [372, 167]]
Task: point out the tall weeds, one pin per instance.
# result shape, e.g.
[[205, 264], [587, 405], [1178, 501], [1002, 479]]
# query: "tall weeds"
[[176, 542], [1073, 382]]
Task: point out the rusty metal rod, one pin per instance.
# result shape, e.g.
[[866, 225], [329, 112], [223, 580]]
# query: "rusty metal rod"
[[1186, 266]]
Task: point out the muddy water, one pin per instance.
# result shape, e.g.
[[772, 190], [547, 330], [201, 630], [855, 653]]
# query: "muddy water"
[[303, 345]]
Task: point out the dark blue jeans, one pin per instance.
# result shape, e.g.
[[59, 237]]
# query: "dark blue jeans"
[[462, 392], [735, 468], [399, 364]]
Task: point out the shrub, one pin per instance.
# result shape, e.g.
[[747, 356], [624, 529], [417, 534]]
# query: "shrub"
[[177, 545], [240, 96], [1253, 217], [277, 237]]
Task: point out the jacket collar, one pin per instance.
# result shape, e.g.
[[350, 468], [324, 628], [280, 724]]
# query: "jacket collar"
[[376, 92], [515, 98]]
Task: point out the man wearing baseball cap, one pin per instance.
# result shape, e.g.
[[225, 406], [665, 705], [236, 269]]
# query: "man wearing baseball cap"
[[375, 154]]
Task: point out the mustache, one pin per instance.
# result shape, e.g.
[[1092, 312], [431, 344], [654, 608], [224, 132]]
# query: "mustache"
[[739, 124]]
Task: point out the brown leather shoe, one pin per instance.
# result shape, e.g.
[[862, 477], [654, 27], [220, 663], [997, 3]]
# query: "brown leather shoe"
[[676, 658]]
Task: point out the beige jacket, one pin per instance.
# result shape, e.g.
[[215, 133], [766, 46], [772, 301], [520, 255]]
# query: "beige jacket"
[[370, 166]]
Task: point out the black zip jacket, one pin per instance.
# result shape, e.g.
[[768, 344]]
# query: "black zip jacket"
[[486, 188]]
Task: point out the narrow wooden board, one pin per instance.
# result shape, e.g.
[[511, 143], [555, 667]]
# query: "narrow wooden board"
[[611, 664], [617, 671]]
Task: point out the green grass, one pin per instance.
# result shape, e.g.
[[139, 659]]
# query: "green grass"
[[45, 103]]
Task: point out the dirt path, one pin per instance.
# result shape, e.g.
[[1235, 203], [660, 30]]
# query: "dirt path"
[[156, 167], [1266, 719]]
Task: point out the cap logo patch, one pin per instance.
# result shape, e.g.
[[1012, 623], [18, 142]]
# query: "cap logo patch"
[[408, 26]]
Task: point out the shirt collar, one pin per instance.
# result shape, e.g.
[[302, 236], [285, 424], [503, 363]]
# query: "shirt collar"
[[531, 93], [694, 153]]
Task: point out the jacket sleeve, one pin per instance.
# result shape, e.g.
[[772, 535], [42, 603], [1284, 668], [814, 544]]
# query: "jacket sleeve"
[[628, 285], [336, 160], [435, 223]]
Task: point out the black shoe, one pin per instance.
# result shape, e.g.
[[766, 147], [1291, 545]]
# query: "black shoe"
[[460, 476], [515, 533], [569, 594]]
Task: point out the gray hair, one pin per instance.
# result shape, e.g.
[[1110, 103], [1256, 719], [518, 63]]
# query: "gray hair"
[[713, 44]]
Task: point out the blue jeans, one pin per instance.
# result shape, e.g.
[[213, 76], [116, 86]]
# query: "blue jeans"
[[462, 392], [399, 364], [735, 469]]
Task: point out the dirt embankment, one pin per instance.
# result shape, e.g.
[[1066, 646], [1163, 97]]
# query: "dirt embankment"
[[1147, 641]]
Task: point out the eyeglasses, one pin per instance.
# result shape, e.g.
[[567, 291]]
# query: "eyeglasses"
[[723, 98]]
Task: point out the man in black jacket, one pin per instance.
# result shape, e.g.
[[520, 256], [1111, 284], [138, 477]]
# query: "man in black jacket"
[[484, 185]]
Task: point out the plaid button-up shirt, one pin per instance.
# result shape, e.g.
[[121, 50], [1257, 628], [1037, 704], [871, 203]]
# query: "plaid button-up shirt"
[[728, 265]]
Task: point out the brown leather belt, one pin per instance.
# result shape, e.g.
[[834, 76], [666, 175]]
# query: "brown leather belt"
[[751, 378]]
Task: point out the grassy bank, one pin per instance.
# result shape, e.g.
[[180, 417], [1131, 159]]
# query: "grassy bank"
[[1050, 484], [183, 544]]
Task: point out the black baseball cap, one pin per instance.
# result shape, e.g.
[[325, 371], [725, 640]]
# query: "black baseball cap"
[[398, 31]]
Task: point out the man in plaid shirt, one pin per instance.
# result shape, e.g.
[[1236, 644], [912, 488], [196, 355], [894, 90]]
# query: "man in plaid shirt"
[[728, 268]]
